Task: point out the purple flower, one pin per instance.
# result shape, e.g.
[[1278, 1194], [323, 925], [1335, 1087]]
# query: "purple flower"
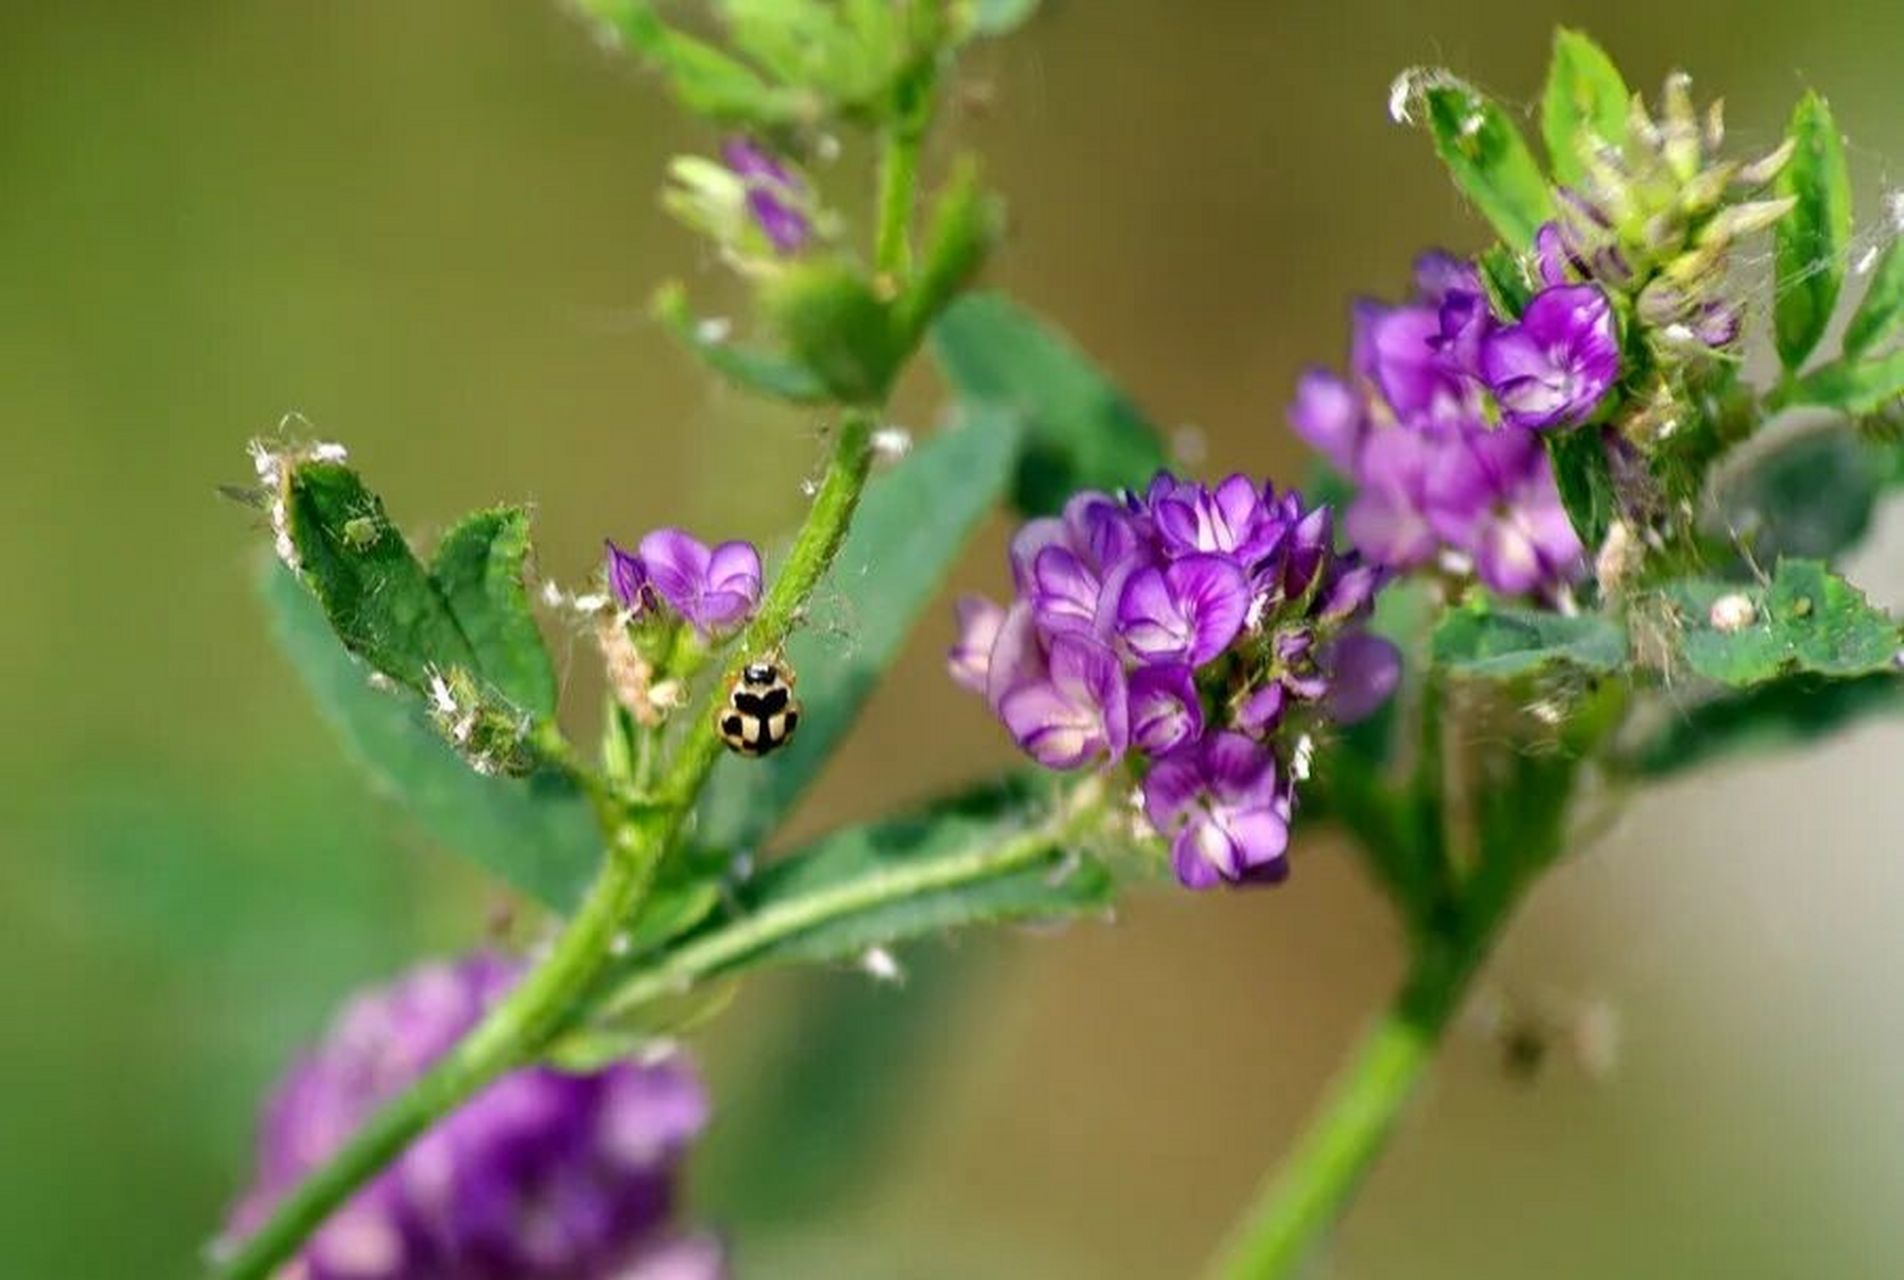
[[1495, 496], [1364, 670], [970, 657], [1331, 416], [1188, 612], [1219, 803], [627, 577], [1231, 520], [1417, 379], [545, 1175], [1554, 367], [1164, 709], [715, 590], [1079, 712], [775, 196], [1148, 626]]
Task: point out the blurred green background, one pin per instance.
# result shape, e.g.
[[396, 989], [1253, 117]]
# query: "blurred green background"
[[430, 228]]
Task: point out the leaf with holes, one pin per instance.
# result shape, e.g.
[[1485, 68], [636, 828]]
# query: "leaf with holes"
[[1808, 620]]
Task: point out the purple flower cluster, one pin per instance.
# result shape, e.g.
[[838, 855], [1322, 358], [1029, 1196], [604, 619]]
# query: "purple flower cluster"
[[776, 198], [1190, 630], [542, 1176], [1437, 424], [716, 589]]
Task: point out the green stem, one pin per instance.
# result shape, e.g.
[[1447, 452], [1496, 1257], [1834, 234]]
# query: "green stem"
[[715, 952], [507, 1038], [898, 178], [1302, 1199]]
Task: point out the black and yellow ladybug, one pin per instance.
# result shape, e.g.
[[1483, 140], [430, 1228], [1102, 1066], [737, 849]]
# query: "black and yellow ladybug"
[[761, 712]]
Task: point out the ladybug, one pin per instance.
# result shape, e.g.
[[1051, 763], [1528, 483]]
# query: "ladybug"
[[761, 712]]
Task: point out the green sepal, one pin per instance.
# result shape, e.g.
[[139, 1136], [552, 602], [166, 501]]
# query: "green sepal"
[[1880, 314], [1812, 239], [836, 325], [706, 81], [965, 225]]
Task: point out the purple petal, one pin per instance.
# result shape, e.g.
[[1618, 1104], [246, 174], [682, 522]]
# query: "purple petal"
[[969, 659], [1171, 787], [1165, 712], [1439, 273], [1017, 657], [1237, 769], [627, 577], [1203, 855], [1064, 592], [1363, 672], [1033, 537], [1077, 715], [1553, 368], [1188, 612], [1329, 414], [677, 567], [786, 228]]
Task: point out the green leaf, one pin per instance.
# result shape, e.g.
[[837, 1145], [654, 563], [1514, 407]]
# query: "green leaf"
[[1504, 276], [1812, 240], [706, 81], [1857, 388], [1081, 432], [538, 833], [910, 529], [1489, 161], [1584, 476], [1880, 315], [1808, 620], [766, 373], [1585, 106], [1504, 642], [478, 568], [1808, 495], [379, 599], [836, 326], [966, 223], [1778, 716]]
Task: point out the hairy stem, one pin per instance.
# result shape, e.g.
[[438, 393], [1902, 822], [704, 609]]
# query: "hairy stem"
[[717, 951], [1296, 1205]]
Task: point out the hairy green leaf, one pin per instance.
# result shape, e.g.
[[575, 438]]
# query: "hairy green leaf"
[[478, 568], [1880, 315], [766, 373], [1503, 642], [538, 833], [1777, 716], [379, 598], [909, 530], [1489, 161], [1584, 108], [1810, 241], [1081, 432], [1808, 620]]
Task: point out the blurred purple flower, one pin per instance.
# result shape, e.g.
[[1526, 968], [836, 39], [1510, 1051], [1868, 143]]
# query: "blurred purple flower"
[[776, 197], [715, 590], [1554, 366], [545, 1175], [1164, 710], [969, 659], [1219, 804]]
